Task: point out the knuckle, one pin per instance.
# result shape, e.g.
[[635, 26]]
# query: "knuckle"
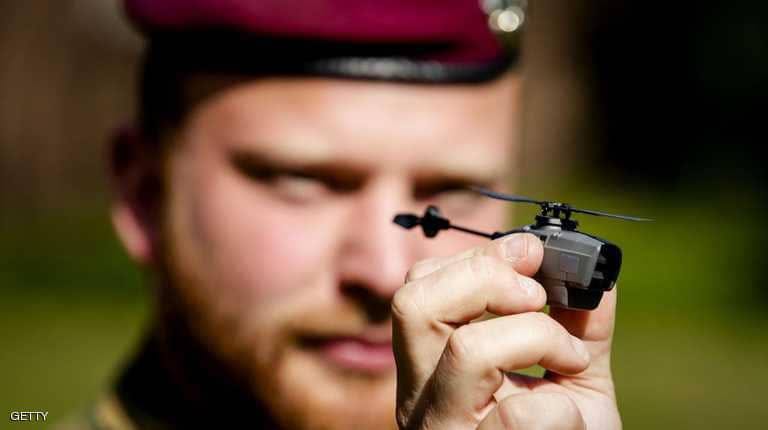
[[404, 306], [567, 404], [543, 324], [483, 267], [466, 355], [539, 409], [512, 414], [461, 349], [420, 269], [412, 274], [567, 410]]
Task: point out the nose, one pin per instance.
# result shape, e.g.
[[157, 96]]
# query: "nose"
[[376, 254]]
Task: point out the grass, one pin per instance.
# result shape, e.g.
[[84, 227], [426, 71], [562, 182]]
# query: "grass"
[[58, 354]]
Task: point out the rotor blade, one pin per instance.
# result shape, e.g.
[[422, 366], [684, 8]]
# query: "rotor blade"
[[407, 221], [605, 214], [506, 197]]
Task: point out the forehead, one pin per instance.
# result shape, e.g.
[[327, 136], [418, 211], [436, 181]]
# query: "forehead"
[[366, 123]]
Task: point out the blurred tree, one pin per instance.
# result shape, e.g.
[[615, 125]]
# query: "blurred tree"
[[66, 78], [681, 89]]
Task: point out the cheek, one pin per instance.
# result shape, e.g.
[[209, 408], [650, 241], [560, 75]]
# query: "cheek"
[[252, 244]]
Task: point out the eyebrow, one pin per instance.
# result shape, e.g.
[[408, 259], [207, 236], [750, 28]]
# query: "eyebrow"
[[470, 172], [455, 179]]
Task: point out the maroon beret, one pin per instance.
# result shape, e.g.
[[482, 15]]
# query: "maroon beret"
[[415, 40]]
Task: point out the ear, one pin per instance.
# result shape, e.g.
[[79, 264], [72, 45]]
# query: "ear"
[[136, 177]]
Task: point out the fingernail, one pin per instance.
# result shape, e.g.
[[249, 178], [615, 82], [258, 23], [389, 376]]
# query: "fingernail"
[[580, 347], [515, 248]]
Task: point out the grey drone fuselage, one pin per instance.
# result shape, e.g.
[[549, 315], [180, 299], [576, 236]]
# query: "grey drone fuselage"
[[577, 268]]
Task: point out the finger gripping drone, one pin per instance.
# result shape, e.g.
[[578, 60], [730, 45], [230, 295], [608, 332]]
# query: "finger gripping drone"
[[577, 267]]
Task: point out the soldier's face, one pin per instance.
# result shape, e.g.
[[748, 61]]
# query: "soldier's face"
[[281, 249]]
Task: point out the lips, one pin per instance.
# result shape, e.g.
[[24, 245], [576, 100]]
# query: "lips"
[[358, 354], [367, 354]]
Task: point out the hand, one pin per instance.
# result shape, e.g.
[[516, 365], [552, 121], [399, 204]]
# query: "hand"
[[454, 369]]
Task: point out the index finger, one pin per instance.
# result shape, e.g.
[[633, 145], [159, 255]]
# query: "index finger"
[[523, 250]]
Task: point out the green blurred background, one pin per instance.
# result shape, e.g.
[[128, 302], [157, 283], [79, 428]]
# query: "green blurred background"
[[654, 111]]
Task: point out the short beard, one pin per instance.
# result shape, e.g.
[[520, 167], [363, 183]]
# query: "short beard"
[[209, 352]]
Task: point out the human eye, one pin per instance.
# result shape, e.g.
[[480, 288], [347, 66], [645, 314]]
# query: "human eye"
[[299, 183], [299, 187], [292, 185], [453, 195]]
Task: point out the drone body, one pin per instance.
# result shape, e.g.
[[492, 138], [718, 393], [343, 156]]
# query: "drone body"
[[577, 267]]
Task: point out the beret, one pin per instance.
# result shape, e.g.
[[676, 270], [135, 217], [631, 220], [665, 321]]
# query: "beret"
[[405, 40]]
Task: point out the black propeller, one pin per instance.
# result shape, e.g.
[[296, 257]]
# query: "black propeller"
[[554, 207], [506, 197], [407, 221]]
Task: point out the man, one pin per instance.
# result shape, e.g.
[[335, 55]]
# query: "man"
[[275, 142]]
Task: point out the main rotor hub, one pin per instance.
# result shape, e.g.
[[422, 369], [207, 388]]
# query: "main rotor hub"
[[557, 222], [556, 210]]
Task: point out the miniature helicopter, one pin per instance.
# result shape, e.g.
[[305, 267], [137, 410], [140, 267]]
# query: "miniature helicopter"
[[577, 267]]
